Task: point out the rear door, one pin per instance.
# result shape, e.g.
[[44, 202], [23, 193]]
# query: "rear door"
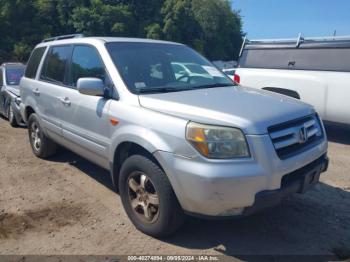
[[85, 118], [52, 86]]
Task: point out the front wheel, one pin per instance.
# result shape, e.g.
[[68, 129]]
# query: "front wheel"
[[148, 197], [42, 146]]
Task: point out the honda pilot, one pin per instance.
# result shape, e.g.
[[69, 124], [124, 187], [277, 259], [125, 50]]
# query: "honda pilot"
[[175, 143]]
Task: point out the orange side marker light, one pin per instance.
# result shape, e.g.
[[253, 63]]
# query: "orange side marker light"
[[114, 121]]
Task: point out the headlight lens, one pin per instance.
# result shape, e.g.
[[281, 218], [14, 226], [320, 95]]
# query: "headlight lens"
[[216, 141], [18, 100]]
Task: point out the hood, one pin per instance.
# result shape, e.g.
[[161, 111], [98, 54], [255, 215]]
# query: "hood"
[[251, 110], [13, 89]]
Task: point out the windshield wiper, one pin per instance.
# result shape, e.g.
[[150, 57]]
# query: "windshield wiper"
[[162, 89], [213, 85]]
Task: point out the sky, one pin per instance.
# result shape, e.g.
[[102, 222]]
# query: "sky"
[[288, 18]]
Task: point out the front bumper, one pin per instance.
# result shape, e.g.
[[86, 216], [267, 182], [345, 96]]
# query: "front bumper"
[[17, 112], [298, 181], [219, 188]]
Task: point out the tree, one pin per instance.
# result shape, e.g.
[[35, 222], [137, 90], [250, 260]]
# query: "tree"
[[220, 28], [178, 22], [99, 18], [209, 26]]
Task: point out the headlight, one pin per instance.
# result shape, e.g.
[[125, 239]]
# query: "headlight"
[[18, 100], [216, 141]]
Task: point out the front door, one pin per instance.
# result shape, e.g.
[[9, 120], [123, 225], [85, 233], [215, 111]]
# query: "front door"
[[85, 118]]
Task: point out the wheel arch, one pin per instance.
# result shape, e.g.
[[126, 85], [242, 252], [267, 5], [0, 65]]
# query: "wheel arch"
[[283, 91], [28, 110], [123, 151]]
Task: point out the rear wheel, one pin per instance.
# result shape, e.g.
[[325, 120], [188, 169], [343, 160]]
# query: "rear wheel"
[[11, 117], [148, 197], [42, 146]]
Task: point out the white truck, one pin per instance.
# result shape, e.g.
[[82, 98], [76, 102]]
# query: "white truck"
[[315, 70]]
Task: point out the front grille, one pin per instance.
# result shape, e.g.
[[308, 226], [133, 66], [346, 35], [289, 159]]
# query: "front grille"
[[294, 137]]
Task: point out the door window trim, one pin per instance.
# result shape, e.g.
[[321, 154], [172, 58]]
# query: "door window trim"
[[43, 66], [114, 93]]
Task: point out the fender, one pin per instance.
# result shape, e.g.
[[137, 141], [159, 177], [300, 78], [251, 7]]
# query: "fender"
[[138, 135]]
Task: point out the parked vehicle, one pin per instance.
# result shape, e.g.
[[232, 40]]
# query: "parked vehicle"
[[203, 147], [315, 70], [230, 72], [10, 75]]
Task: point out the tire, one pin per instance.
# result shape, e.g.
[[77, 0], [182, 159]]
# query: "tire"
[[164, 219], [42, 146], [11, 117]]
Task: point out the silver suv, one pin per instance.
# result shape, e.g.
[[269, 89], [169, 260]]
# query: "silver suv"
[[175, 144]]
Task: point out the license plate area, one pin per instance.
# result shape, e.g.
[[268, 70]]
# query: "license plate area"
[[309, 179]]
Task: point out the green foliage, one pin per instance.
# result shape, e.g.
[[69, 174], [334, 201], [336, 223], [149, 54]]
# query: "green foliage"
[[210, 26]]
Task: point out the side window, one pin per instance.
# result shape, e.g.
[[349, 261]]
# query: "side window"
[[86, 62], [55, 64], [34, 62]]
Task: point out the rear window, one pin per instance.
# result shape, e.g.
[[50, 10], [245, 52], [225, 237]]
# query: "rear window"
[[34, 61], [322, 59], [55, 64], [14, 75]]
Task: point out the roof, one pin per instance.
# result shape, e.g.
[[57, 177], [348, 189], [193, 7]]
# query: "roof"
[[81, 39]]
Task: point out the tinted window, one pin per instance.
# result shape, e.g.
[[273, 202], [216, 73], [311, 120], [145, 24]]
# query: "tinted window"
[[149, 67], [34, 62], [55, 64], [323, 59], [86, 63], [14, 75]]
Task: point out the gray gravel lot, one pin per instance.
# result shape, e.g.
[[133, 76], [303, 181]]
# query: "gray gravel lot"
[[66, 205]]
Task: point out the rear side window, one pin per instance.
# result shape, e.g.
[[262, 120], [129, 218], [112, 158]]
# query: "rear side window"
[[321, 59], [56, 64], [86, 62], [34, 61]]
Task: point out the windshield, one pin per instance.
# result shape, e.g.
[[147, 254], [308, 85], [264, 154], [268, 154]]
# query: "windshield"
[[13, 76], [158, 67]]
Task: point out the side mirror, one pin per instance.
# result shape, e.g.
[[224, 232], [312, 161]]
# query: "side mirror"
[[90, 86]]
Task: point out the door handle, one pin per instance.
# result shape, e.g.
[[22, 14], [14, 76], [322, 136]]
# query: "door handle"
[[36, 91], [65, 101]]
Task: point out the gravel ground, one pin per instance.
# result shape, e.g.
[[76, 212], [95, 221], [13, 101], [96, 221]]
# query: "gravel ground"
[[66, 205]]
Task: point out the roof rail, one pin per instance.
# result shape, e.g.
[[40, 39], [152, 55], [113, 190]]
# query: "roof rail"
[[243, 44], [298, 40], [61, 37], [290, 41]]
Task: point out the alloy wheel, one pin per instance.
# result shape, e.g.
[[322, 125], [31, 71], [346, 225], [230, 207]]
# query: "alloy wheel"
[[35, 136], [143, 197]]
